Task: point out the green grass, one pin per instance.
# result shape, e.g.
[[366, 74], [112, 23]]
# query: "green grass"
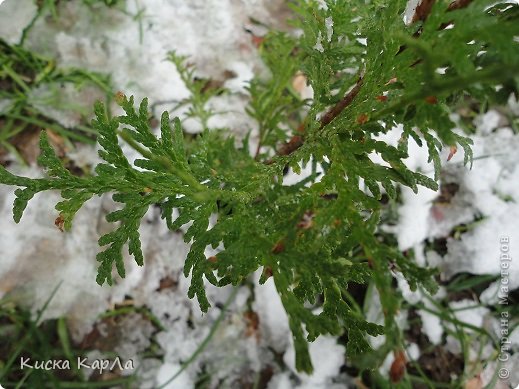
[[21, 72], [22, 335], [461, 286]]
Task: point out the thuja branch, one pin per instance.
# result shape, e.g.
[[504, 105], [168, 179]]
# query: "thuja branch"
[[422, 11], [337, 109], [495, 74], [187, 178], [292, 232]]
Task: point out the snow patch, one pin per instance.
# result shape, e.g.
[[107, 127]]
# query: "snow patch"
[[14, 15], [168, 370], [272, 315], [327, 358]]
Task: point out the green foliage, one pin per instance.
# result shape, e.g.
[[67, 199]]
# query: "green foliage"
[[200, 92], [316, 237], [274, 103]]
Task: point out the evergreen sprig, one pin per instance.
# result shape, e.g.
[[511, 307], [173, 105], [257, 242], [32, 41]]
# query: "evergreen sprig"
[[315, 237]]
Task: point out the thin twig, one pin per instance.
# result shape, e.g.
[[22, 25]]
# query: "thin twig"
[[341, 105], [421, 13], [422, 10], [297, 140], [458, 4], [292, 145]]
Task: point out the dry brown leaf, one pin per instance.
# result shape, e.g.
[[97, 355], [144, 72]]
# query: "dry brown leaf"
[[453, 150], [299, 82], [474, 383]]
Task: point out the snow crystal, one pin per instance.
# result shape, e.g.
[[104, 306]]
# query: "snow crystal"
[[488, 375], [292, 178], [110, 42], [431, 322], [319, 44], [485, 199], [410, 10], [244, 74], [414, 215], [230, 113], [513, 104], [413, 351], [322, 4], [168, 370], [5, 105], [490, 296], [488, 122], [492, 190], [65, 103], [15, 14], [43, 257], [133, 342], [431, 326], [273, 318], [328, 22], [410, 296], [327, 358], [280, 381], [467, 311]]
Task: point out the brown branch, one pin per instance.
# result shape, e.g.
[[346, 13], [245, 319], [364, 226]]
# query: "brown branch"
[[422, 10], [341, 105], [297, 140], [458, 4], [292, 145]]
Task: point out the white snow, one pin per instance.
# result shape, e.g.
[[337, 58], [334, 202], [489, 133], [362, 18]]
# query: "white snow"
[[431, 326], [414, 216], [280, 381], [24, 11], [413, 351], [322, 4], [272, 315], [5, 105], [410, 10], [292, 178], [491, 189], [488, 191], [327, 358], [488, 121], [319, 44], [328, 22], [168, 370], [467, 311]]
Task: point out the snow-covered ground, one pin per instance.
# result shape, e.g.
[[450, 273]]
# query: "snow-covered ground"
[[132, 46]]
